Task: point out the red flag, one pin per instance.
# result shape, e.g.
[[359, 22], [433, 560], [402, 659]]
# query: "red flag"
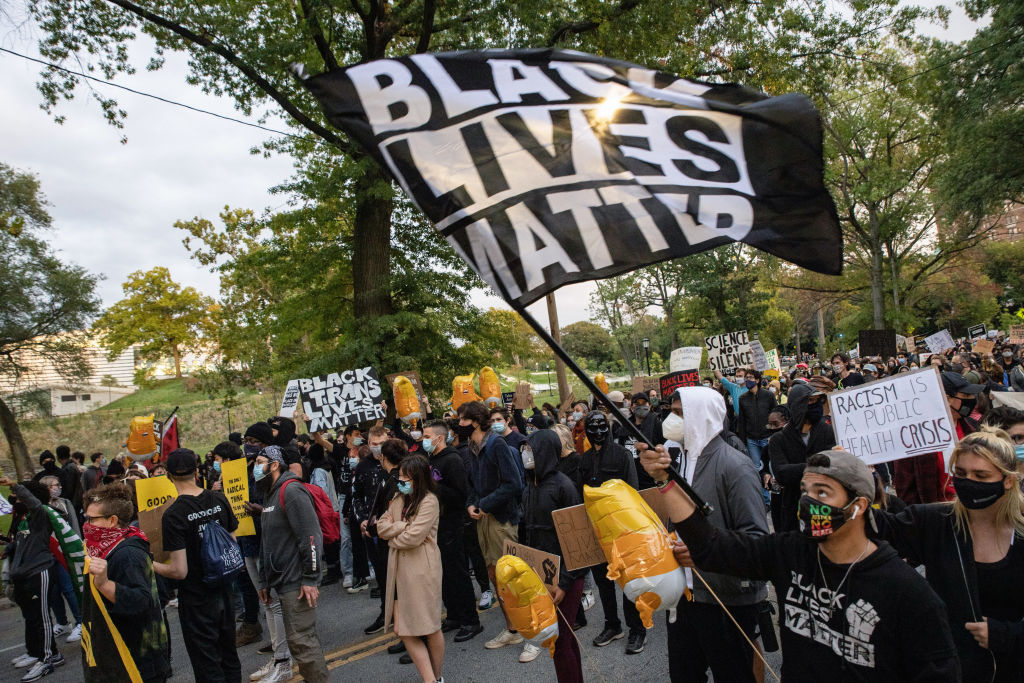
[[169, 438]]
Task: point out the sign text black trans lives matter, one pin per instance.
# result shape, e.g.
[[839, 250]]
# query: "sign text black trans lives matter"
[[341, 399], [544, 167]]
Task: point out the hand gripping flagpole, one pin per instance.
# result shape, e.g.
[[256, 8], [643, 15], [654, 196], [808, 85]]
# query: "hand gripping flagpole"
[[673, 474]]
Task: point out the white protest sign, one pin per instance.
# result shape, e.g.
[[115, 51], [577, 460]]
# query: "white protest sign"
[[341, 399], [893, 418], [729, 351], [773, 359], [760, 358], [939, 342], [685, 358], [290, 399], [5, 506]]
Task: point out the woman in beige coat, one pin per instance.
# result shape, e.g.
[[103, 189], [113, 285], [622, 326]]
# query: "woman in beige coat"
[[413, 598]]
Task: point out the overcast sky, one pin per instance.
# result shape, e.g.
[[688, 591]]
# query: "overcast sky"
[[114, 205]]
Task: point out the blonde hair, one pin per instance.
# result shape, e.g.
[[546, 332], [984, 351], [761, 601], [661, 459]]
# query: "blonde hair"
[[568, 445], [994, 445]]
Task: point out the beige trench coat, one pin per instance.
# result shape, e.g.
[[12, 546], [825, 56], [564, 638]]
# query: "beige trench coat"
[[414, 568]]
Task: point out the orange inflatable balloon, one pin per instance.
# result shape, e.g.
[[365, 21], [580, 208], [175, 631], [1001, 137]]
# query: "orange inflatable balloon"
[[463, 391]]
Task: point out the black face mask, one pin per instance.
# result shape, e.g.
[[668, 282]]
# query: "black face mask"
[[815, 412], [977, 495], [464, 432], [596, 428], [820, 520], [967, 406]]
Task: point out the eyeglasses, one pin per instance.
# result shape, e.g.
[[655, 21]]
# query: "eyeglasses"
[[89, 519]]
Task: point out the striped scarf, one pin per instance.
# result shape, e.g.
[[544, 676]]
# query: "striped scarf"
[[70, 547]]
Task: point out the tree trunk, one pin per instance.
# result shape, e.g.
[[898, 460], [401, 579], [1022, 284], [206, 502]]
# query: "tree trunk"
[[556, 334], [895, 283], [177, 362], [16, 442], [797, 331], [877, 284], [821, 333], [371, 253]]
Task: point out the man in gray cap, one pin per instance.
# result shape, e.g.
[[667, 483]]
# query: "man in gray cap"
[[851, 609]]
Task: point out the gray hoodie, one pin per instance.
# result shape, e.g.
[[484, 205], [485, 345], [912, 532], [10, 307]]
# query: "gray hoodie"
[[291, 548]]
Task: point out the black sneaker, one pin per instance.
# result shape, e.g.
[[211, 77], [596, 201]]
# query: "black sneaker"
[[376, 627], [266, 649], [358, 585], [468, 633], [405, 659], [635, 645], [375, 593], [607, 636], [447, 626]]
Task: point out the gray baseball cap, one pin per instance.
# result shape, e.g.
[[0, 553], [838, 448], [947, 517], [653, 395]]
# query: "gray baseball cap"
[[846, 468]]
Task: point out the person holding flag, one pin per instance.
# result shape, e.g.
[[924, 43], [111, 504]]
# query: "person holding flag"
[[127, 637]]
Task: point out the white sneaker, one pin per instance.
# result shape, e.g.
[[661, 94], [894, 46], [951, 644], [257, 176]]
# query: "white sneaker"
[[504, 638], [263, 671], [76, 634], [529, 653], [279, 674], [486, 600], [61, 629], [347, 582], [173, 603], [23, 661], [588, 600], [38, 670]]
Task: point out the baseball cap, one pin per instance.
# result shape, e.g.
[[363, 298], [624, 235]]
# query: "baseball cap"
[[182, 461], [616, 396], [955, 383], [846, 468], [870, 367]]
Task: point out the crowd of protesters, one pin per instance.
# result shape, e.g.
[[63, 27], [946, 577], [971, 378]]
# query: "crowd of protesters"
[[803, 538]]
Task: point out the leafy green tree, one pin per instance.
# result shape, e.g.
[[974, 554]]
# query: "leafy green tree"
[[1003, 263], [164, 318], [588, 341], [43, 299]]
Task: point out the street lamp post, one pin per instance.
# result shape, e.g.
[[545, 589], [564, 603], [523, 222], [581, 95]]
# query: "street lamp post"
[[647, 354], [842, 344]]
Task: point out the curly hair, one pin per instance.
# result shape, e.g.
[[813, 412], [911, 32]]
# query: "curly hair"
[[114, 499]]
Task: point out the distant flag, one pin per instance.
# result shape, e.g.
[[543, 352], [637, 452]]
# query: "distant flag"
[[169, 438]]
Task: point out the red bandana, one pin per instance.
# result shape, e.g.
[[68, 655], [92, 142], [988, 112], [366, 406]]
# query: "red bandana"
[[100, 541]]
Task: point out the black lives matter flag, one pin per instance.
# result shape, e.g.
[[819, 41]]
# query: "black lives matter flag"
[[545, 167]]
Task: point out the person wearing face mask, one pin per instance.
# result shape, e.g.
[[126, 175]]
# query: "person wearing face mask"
[[579, 434], [1011, 421], [843, 376], [973, 553], [452, 490], [606, 460], [849, 606], [500, 426], [649, 424], [367, 480], [755, 406], [93, 475], [925, 478], [343, 456], [807, 432], [1007, 364], [460, 437]]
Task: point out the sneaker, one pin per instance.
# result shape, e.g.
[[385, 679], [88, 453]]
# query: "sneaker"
[[405, 659], [397, 648], [376, 627], [607, 636], [56, 660], [468, 633], [588, 600], [347, 581], [266, 649], [24, 661], [61, 629], [248, 633], [375, 592], [279, 674], [486, 600], [529, 653], [358, 585], [76, 634], [38, 670], [504, 638], [263, 671], [173, 603], [635, 645]]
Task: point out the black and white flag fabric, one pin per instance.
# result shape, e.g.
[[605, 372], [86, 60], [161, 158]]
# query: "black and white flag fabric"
[[545, 167]]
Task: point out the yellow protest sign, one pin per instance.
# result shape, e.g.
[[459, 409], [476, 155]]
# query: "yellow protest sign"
[[235, 480], [154, 492]]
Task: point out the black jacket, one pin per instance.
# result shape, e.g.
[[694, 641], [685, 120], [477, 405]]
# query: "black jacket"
[[32, 554], [788, 453], [612, 461], [926, 535], [547, 490], [452, 489], [71, 484], [753, 418], [886, 623], [365, 482]]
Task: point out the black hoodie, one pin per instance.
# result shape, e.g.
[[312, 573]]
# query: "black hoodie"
[[452, 489], [882, 623], [547, 490]]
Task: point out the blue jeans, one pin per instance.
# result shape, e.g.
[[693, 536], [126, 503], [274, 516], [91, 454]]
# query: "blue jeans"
[[755, 448], [60, 584], [346, 541]]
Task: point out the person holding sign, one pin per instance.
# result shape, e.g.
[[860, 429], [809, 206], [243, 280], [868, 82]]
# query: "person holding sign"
[[850, 609], [973, 554]]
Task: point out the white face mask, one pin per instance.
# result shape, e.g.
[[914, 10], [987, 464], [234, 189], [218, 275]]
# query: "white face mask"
[[672, 427], [527, 455]]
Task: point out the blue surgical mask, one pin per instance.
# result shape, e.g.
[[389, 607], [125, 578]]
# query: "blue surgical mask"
[[450, 440], [405, 487], [416, 434], [1019, 451], [375, 450], [258, 472], [428, 445], [498, 427], [357, 441], [216, 466], [352, 462]]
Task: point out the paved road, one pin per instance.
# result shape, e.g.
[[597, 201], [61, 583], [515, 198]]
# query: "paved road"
[[351, 655]]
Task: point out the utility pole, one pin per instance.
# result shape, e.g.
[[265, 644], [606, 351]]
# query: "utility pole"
[[556, 334]]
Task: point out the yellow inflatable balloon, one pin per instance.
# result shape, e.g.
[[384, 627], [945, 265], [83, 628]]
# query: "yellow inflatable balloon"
[[637, 548], [526, 602], [601, 382], [463, 391], [489, 387], [407, 405], [141, 438]]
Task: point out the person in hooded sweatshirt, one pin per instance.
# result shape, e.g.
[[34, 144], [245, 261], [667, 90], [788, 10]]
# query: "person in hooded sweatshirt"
[[703, 636], [851, 609], [649, 425], [807, 432], [284, 436], [547, 490], [49, 464]]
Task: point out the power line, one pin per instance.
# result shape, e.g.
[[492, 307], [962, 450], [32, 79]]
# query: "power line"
[[152, 96]]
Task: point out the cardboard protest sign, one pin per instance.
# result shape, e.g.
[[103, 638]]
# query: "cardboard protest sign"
[[729, 351], [413, 377], [984, 346], [940, 341], [566, 407], [1016, 334], [341, 399], [877, 343], [523, 398], [976, 331], [893, 418], [580, 547], [760, 358], [290, 399], [545, 564], [672, 381], [155, 495], [235, 487], [685, 358], [643, 385]]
